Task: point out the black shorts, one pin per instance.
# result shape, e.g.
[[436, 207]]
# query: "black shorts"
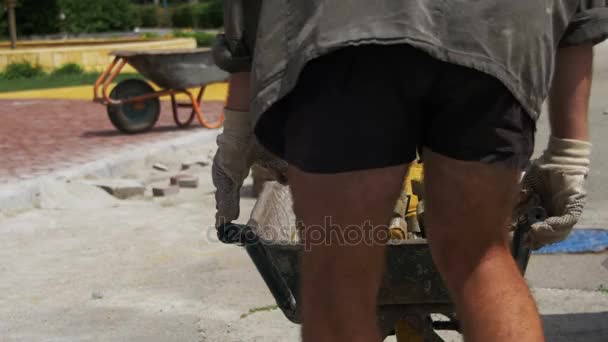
[[374, 106]]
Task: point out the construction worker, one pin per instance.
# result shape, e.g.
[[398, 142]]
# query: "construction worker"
[[347, 91]]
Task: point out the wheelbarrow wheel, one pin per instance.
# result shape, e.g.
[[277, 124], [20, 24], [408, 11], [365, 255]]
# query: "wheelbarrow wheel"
[[133, 117]]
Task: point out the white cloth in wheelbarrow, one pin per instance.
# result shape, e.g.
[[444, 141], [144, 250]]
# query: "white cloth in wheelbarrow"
[[237, 151]]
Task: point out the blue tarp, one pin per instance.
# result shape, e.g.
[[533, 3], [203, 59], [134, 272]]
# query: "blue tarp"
[[580, 241]]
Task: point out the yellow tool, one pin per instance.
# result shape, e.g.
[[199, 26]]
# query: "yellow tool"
[[405, 209]]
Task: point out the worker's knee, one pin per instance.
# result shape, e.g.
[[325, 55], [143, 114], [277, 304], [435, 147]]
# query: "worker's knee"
[[468, 208], [456, 259]]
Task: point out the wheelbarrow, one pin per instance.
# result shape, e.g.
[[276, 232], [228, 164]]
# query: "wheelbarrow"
[[133, 106], [413, 301]]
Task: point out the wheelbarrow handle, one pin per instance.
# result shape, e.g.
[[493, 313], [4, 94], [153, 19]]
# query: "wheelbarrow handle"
[[521, 249], [245, 236]]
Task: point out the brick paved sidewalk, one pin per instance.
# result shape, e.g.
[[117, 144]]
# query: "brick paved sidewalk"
[[41, 136]]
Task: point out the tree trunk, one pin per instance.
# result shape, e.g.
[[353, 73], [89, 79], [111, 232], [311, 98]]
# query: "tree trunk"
[[12, 23]]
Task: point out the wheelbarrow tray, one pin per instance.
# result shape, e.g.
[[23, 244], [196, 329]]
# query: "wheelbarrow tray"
[[175, 69], [411, 282], [410, 277], [411, 285]]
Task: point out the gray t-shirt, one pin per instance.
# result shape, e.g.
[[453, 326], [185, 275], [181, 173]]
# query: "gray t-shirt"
[[514, 41]]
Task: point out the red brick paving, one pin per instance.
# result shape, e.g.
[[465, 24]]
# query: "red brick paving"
[[41, 136]]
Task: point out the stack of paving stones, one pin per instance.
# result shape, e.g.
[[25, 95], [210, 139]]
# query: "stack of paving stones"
[[129, 188], [177, 182]]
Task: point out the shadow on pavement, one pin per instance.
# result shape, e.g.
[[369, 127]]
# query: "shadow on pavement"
[[579, 327], [157, 129]]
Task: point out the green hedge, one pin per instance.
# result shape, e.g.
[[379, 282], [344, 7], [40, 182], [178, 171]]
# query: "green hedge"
[[68, 69], [3, 22], [184, 16], [212, 14], [37, 17], [92, 16], [32, 16], [148, 16], [26, 70], [209, 14], [151, 16], [16, 71], [81, 16]]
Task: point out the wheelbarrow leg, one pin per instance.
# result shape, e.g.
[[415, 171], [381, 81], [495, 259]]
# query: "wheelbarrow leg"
[[199, 99], [197, 109], [175, 107]]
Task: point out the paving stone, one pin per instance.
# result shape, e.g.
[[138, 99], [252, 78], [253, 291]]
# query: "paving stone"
[[165, 191], [119, 188], [185, 181]]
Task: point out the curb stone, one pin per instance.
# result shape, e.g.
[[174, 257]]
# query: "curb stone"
[[24, 194]]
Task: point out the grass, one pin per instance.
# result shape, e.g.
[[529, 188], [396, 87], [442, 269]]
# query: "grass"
[[55, 81], [260, 309], [603, 289], [203, 39]]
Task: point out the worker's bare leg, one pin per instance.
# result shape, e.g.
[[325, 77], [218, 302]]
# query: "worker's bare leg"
[[467, 209], [341, 279]]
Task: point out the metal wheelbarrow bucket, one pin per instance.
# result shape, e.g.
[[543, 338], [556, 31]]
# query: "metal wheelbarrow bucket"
[[134, 105], [412, 289]]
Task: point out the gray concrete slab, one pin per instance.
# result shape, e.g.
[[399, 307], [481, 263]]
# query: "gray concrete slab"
[[568, 271], [162, 276]]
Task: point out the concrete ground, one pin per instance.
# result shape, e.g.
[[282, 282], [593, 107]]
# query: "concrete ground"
[[144, 269], [84, 266], [94, 268]]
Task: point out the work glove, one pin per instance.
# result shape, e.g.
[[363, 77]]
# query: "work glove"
[[558, 179], [231, 164], [237, 151]]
